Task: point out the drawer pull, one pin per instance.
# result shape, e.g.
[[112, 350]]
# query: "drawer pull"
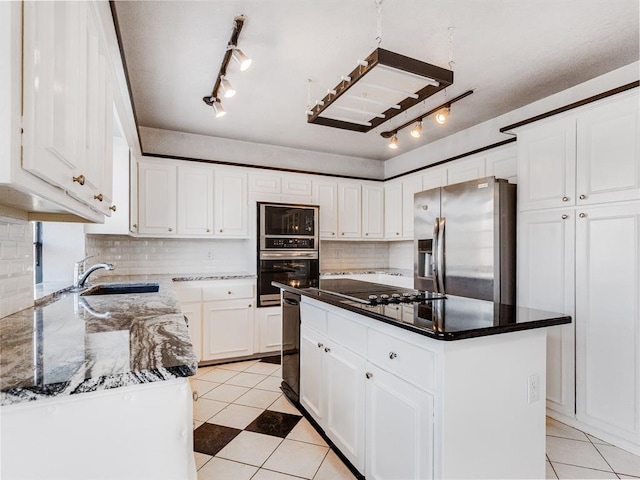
[[320, 345], [195, 395], [98, 197], [565, 216], [565, 199], [112, 208], [368, 375], [327, 349], [582, 215], [229, 292], [582, 197], [80, 179], [392, 355]]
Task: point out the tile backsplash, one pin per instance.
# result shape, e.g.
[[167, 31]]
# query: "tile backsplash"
[[353, 255], [149, 256], [16, 265]]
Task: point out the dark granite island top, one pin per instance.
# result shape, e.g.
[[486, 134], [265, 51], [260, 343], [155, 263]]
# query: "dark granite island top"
[[72, 344], [451, 318]]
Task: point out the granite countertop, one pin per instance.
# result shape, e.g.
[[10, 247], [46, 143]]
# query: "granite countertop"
[[396, 272], [452, 318], [69, 344]]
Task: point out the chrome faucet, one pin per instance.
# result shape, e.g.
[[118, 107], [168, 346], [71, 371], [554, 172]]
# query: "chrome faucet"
[[78, 282]]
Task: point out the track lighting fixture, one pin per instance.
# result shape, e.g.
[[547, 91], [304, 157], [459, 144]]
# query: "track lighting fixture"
[[442, 116], [416, 131], [226, 89], [222, 87]]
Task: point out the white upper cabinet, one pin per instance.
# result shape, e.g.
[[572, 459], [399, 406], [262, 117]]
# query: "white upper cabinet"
[[296, 188], [157, 195], [195, 200], [503, 164], [465, 170], [434, 177], [349, 210], [264, 182], [372, 210], [230, 203], [325, 194], [68, 101], [581, 158], [410, 186], [393, 202], [608, 152]]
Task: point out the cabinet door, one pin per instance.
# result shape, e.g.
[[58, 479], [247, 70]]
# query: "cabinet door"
[[55, 73], [465, 170], [231, 203], [608, 152], [349, 210], [157, 198], [193, 312], [546, 164], [312, 392], [345, 398], [270, 325], [296, 185], [399, 419], [434, 177], [195, 200], [325, 194], [227, 329], [372, 211], [546, 281], [410, 187], [392, 208], [608, 319], [503, 164]]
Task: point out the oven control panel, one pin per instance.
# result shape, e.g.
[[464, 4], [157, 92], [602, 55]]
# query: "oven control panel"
[[282, 243]]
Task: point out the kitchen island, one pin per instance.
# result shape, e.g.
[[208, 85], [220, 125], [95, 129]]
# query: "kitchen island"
[[445, 388], [97, 386]]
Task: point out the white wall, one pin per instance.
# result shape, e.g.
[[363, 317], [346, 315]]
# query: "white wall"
[[353, 255], [488, 133], [166, 142], [62, 246], [401, 255]]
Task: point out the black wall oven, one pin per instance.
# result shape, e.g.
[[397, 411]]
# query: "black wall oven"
[[287, 249]]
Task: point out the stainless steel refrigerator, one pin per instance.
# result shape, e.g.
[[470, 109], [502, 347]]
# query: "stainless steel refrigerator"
[[465, 240]]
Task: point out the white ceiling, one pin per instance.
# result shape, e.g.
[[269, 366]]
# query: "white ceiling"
[[509, 52]]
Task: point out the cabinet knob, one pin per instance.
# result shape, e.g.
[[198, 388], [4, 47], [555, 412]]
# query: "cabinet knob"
[[392, 355], [327, 349], [171, 229], [135, 225], [397, 233], [220, 230], [229, 292], [80, 179], [565, 216], [565, 199], [366, 234], [582, 215], [208, 230], [195, 395], [368, 375], [249, 305], [583, 196], [98, 197], [342, 233], [333, 233], [320, 345], [112, 208]]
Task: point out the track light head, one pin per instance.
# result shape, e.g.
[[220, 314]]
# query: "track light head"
[[416, 131], [393, 143], [241, 59], [218, 108], [442, 116], [226, 89]]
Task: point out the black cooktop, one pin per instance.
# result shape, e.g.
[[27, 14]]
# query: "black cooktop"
[[373, 293]]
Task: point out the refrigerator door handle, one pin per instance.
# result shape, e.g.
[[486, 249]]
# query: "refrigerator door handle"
[[440, 256], [434, 253]]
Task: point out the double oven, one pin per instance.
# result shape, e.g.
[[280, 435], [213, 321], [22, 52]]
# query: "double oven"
[[287, 249]]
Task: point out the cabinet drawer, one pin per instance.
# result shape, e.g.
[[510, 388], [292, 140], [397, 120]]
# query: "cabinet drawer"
[[347, 333], [187, 293], [313, 317], [407, 360], [227, 292]]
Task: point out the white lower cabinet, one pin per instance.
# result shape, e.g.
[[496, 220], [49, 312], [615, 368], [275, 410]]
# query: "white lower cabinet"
[[399, 420], [269, 322], [227, 329]]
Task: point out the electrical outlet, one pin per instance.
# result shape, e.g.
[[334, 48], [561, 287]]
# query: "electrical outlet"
[[533, 388]]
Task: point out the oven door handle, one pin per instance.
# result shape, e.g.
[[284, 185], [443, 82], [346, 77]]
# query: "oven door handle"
[[288, 255]]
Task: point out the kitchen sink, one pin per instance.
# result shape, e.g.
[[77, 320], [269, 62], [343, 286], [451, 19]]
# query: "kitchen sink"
[[122, 288]]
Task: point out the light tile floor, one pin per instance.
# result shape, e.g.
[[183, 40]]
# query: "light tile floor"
[[234, 395]]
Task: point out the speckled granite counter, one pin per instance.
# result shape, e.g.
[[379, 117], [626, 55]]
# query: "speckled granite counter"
[[69, 344], [396, 272]]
